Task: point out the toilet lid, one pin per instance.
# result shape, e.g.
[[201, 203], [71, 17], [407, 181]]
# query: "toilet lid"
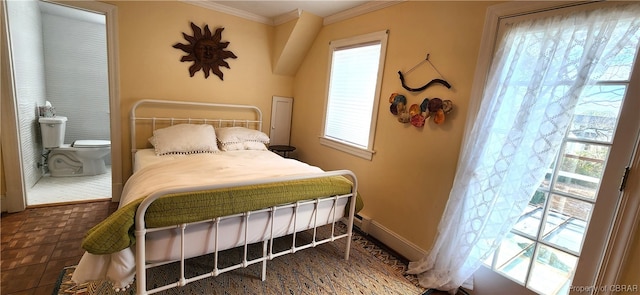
[[91, 143]]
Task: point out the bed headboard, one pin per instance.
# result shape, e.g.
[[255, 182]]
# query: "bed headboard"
[[148, 115]]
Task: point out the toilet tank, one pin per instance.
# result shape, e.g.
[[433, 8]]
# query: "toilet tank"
[[52, 130]]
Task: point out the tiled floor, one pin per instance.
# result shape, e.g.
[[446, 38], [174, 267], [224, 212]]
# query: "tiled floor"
[[70, 189], [39, 242]]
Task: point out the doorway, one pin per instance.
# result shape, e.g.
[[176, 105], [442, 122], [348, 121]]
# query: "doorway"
[[559, 244], [281, 109], [50, 78]]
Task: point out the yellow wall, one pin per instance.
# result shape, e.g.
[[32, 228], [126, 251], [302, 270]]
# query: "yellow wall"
[[150, 67], [631, 273], [3, 189], [406, 185]]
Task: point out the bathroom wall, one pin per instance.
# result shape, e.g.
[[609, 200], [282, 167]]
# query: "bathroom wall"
[[76, 73], [25, 29]]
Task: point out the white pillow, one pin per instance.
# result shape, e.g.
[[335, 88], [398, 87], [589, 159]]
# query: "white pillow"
[[184, 139], [247, 145], [232, 146], [254, 145], [233, 135]]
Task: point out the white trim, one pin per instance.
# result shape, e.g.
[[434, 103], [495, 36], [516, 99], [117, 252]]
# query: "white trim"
[[11, 153], [289, 16], [278, 20], [624, 231], [356, 151], [381, 36], [627, 216], [390, 239], [111, 14], [359, 10], [231, 11]]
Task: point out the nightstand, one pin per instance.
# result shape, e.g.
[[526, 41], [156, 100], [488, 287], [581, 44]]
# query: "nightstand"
[[282, 150]]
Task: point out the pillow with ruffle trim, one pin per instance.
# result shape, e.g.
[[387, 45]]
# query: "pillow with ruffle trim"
[[234, 138], [184, 139]]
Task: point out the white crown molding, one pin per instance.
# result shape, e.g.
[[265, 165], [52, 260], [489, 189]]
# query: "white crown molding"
[[294, 14], [289, 16], [231, 11], [359, 10]]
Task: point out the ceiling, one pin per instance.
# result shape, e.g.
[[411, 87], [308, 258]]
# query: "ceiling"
[[273, 9]]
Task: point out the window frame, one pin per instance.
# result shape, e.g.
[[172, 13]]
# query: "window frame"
[[346, 43]]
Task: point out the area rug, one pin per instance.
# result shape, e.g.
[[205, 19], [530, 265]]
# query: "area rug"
[[371, 269]]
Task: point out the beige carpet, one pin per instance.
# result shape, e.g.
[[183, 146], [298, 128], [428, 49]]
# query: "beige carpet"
[[321, 270]]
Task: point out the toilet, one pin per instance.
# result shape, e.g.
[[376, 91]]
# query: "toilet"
[[81, 158]]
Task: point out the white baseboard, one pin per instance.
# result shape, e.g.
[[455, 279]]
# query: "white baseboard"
[[392, 240]]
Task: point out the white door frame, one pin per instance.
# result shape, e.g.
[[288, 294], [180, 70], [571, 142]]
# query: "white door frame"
[[16, 193], [11, 157], [628, 212]]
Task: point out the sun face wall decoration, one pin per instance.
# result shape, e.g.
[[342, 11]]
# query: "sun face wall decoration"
[[206, 51]]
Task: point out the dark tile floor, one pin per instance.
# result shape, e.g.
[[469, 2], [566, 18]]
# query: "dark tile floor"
[[39, 242]]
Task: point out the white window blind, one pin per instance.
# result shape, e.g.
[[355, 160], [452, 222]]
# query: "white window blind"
[[354, 88]]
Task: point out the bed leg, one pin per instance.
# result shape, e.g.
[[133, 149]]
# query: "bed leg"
[[348, 248], [264, 262], [141, 271], [352, 214]]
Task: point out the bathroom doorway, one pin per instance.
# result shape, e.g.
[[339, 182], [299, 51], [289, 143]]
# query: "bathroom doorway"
[[63, 55]]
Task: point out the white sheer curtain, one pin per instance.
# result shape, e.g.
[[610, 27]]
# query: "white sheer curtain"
[[538, 72]]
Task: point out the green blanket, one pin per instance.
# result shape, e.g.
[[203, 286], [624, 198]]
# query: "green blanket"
[[117, 232]]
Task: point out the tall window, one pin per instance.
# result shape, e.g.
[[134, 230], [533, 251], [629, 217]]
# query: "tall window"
[[542, 250], [353, 91]]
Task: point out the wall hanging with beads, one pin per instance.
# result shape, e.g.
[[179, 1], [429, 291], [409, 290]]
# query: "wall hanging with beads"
[[416, 114]]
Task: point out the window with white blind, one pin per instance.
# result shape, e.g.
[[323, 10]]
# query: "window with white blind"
[[355, 75]]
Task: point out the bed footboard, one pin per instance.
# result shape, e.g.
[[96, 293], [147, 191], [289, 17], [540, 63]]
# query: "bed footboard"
[[305, 215]]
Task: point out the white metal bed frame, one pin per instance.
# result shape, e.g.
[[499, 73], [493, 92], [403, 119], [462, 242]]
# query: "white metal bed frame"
[[215, 122], [267, 244]]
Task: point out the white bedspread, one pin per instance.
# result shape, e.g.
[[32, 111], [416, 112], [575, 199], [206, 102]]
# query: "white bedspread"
[[163, 172], [200, 169]]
